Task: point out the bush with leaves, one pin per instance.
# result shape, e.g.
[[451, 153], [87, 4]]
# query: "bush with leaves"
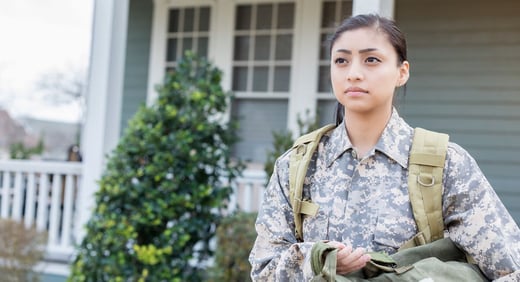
[[20, 151], [231, 256], [162, 194]]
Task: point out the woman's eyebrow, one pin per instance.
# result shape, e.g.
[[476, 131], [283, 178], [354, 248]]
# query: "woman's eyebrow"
[[360, 51]]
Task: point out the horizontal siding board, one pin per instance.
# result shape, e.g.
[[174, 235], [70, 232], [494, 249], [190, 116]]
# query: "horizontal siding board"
[[465, 81], [258, 119], [439, 95], [441, 10], [465, 111], [450, 125], [485, 67], [469, 81]]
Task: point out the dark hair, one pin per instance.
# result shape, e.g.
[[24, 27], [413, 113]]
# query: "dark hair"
[[385, 25]]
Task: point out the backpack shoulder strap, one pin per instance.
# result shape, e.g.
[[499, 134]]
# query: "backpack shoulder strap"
[[301, 155], [425, 172]]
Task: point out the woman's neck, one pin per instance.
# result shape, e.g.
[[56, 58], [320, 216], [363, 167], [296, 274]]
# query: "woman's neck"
[[364, 130]]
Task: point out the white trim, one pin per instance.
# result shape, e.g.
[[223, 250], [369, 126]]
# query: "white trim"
[[221, 39], [238, 2], [382, 7], [104, 94], [157, 61], [305, 62], [60, 269], [189, 3], [262, 95]]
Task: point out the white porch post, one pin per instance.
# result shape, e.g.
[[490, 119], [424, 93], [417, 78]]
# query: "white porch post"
[[382, 7], [304, 72], [104, 98]]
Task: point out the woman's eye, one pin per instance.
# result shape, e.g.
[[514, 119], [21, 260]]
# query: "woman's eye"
[[340, 61], [372, 60]]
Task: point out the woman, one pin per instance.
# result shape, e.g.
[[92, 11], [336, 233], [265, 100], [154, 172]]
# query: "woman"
[[358, 176]]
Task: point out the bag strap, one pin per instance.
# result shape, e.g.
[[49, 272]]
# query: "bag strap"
[[425, 172], [303, 149], [425, 166]]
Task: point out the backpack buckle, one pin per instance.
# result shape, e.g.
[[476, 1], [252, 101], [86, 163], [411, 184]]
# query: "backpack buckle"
[[426, 176]]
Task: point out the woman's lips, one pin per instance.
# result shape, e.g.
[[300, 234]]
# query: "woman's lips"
[[355, 91]]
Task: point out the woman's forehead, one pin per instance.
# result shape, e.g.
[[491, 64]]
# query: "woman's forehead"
[[362, 38]]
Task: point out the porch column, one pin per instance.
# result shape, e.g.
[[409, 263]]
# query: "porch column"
[[104, 97], [384, 8]]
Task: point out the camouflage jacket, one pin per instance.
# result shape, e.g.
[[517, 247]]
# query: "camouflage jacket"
[[364, 202]]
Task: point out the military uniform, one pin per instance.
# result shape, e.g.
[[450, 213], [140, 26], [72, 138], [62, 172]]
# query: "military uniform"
[[364, 202]]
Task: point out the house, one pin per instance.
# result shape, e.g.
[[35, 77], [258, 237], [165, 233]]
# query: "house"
[[464, 71]]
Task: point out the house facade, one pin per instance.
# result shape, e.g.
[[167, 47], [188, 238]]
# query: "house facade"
[[464, 81]]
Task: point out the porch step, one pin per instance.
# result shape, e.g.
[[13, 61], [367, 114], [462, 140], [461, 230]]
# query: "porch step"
[[52, 271]]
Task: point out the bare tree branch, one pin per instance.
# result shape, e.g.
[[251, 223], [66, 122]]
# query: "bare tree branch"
[[64, 86]]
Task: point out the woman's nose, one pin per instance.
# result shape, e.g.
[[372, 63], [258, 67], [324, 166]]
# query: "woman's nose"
[[354, 72]]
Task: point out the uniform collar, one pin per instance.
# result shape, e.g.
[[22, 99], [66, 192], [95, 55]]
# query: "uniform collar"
[[395, 141]]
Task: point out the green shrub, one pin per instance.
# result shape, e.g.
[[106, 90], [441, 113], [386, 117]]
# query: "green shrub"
[[235, 238], [19, 151], [161, 197]]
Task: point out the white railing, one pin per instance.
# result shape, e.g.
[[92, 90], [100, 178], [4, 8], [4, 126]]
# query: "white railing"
[[248, 191], [45, 195]]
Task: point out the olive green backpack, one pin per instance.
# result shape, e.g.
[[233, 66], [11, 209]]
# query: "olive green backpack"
[[426, 164]]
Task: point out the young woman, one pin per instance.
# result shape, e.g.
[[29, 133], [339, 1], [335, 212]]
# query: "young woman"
[[358, 176]]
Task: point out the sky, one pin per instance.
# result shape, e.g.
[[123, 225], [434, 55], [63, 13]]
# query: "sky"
[[39, 37]]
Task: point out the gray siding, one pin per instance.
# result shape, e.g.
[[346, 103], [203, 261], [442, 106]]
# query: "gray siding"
[[137, 57], [258, 119], [465, 81]]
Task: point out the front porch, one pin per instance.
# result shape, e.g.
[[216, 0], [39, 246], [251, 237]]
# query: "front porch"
[[47, 195]]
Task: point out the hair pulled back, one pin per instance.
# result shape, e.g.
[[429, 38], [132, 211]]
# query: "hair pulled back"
[[382, 24]]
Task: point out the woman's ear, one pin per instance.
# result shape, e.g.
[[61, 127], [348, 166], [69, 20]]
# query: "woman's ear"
[[404, 73]]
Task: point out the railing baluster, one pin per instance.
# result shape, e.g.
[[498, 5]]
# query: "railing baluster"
[[77, 227], [54, 216], [67, 210], [6, 187], [248, 199], [43, 194], [29, 201], [17, 196], [233, 201]]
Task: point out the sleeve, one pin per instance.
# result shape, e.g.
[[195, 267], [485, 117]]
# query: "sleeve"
[[477, 220], [276, 256]]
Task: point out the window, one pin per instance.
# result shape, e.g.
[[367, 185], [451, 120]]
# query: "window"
[[262, 48], [332, 14], [261, 74], [188, 29]]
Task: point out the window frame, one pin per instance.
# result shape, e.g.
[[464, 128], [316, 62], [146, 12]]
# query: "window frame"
[[271, 63]]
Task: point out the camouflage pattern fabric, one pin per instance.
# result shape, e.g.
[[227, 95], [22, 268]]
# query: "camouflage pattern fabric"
[[364, 202]]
